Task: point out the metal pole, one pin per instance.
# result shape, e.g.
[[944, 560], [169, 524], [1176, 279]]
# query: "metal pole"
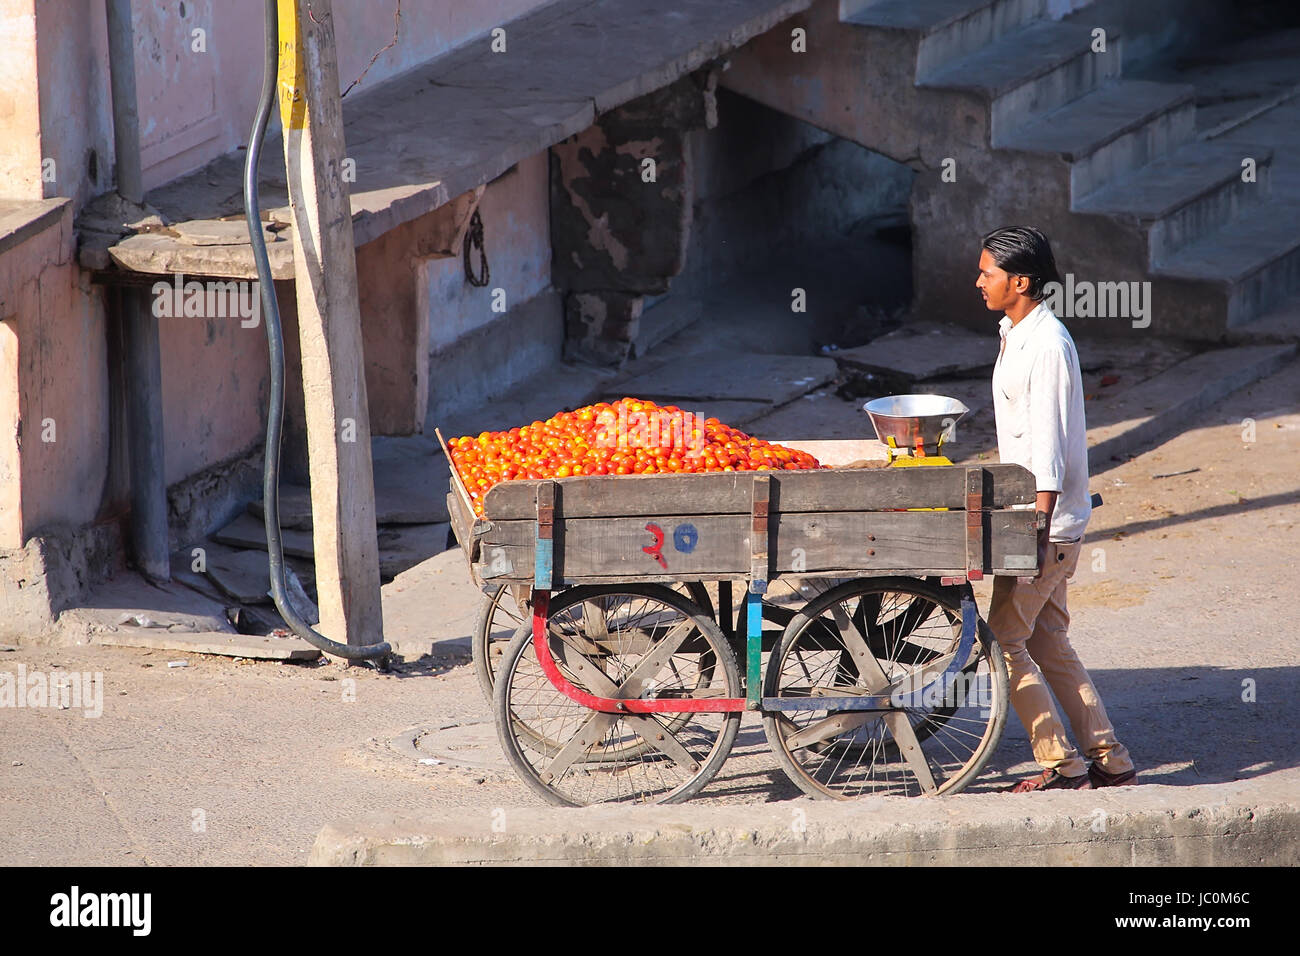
[[145, 433], [126, 121]]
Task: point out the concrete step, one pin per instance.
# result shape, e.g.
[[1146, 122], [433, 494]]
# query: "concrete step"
[[1031, 71], [1111, 132], [1280, 324], [663, 320], [1253, 263], [1279, 127], [1185, 196], [1169, 403], [948, 29], [400, 546]]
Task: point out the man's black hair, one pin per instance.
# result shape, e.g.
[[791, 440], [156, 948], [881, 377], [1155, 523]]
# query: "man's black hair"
[[1024, 251]]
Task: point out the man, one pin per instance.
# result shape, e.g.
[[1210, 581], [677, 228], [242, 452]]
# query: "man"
[[1038, 403]]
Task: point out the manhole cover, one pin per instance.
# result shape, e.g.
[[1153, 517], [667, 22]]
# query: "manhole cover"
[[472, 744]]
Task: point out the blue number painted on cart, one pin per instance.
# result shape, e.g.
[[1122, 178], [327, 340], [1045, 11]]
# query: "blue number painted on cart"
[[685, 538]]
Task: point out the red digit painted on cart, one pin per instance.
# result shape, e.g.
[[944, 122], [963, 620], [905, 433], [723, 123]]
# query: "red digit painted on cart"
[[655, 550]]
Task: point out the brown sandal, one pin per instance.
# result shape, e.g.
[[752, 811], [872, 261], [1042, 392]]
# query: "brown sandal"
[[1051, 780]]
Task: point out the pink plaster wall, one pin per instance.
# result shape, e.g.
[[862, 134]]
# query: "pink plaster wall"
[[76, 120], [215, 386], [55, 348], [194, 104], [20, 116], [11, 512]]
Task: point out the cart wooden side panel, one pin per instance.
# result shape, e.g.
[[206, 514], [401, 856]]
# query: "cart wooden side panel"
[[690, 547], [844, 489]]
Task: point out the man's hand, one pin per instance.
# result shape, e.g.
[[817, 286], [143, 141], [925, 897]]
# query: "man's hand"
[[1045, 551], [1046, 504]]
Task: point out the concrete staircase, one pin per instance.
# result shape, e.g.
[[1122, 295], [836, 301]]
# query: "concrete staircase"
[[1010, 116]]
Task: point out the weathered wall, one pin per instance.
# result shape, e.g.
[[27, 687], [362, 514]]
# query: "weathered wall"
[[11, 513], [394, 319], [196, 91], [621, 207], [76, 120], [20, 115], [55, 348], [476, 352], [215, 389]]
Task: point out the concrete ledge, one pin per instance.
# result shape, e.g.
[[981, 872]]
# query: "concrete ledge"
[[213, 642], [1161, 406], [1246, 823], [22, 219]]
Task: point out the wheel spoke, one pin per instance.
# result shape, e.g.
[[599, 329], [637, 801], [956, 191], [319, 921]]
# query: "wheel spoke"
[[587, 735], [905, 735], [659, 656], [594, 624], [838, 723], [654, 734]]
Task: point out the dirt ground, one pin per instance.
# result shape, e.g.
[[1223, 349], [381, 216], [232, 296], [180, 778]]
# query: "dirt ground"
[[1181, 611]]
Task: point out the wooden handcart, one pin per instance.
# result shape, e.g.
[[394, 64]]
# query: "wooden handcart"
[[624, 682]]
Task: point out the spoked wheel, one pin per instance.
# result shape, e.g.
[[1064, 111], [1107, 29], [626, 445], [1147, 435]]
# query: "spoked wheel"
[[890, 637], [625, 642], [504, 610]]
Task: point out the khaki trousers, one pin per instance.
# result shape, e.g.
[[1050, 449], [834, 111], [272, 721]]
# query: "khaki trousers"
[[1030, 621]]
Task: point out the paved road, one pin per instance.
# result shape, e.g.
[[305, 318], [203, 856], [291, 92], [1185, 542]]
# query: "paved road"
[[1184, 612]]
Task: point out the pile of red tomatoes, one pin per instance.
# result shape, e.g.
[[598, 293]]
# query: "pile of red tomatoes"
[[627, 437]]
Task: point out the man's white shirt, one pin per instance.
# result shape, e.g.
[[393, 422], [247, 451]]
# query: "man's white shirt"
[[1038, 404]]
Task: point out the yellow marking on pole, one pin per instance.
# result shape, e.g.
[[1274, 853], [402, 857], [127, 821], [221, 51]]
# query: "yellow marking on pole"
[[293, 68]]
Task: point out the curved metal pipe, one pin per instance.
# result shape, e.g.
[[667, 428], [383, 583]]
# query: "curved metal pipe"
[[275, 344]]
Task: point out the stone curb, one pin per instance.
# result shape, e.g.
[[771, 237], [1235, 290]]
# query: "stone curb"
[[1245, 823]]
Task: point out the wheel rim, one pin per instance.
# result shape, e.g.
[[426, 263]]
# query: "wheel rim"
[[577, 756], [911, 633], [502, 618]]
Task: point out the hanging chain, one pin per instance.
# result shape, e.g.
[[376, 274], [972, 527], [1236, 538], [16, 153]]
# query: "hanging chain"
[[474, 240]]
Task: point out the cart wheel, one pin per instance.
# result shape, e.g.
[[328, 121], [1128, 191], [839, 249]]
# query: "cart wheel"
[[500, 615], [910, 628], [600, 638], [505, 609]]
